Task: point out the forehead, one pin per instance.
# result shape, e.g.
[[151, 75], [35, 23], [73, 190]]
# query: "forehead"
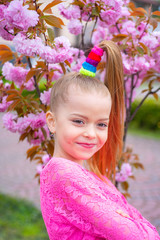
[[88, 102]]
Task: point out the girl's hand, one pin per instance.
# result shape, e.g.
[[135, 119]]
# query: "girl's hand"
[[122, 213]]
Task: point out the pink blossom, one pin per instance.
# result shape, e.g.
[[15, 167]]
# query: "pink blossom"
[[38, 136], [57, 70], [157, 35], [62, 43], [19, 16], [2, 10], [125, 12], [141, 27], [37, 121], [7, 86], [114, 4], [75, 26], [49, 54], [22, 124], [78, 64], [72, 12], [109, 16], [85, 16], [90, 1], [17, 75], [29, 85], [39, 168], [3, 24], [150, 41], [76, 53], [33, 47], [28, 47], [9, 121], [4, 34], [4, 104], [129, 27], [136, 64], [125, 172], [99, 35], [46, 158], [45, 97]]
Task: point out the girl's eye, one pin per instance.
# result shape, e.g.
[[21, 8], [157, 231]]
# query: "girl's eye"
[[102, 125], [78, 121]]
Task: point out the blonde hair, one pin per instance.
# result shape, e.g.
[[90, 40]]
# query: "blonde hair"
[[59, 92], [103, 163]]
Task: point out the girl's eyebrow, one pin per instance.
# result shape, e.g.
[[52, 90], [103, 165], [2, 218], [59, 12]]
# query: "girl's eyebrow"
[[79, 115]]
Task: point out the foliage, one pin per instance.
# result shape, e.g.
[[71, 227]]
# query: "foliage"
[[20, 220], [30, 26], [148, 116]]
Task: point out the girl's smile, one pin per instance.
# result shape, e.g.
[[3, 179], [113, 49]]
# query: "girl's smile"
[[80, 124]]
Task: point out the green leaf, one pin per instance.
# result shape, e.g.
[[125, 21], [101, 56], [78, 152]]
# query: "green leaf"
[[50, 34], [53, 20], [140, 50], [95, 11]]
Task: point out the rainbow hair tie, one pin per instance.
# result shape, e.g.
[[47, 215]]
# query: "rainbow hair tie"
[[89, 66]]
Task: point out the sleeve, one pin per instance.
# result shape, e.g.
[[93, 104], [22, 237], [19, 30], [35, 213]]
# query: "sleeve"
[[84, 206]]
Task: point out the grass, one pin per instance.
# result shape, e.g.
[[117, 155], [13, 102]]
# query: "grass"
[[20, 220], [144, 133]]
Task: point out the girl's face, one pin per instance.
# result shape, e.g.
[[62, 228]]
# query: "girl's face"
[[80, 125]]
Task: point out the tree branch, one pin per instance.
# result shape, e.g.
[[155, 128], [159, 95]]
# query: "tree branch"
[[140, 104], [83, 33], [93, 28], [34, 77]]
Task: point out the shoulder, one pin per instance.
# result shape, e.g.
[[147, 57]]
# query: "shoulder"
[[63, 168], [63, 172], [61, 164]]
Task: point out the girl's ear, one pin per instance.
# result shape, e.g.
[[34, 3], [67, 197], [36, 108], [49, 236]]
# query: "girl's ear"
[[50, 118]]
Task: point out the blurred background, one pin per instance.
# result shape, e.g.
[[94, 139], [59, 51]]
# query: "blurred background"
[[19, 189]]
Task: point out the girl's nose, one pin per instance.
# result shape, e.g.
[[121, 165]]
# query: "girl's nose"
[[90, 132]]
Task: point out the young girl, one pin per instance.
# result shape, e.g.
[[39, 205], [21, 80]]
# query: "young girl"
[[86, 119]]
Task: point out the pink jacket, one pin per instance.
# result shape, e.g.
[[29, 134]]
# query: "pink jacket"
[[77, 205]]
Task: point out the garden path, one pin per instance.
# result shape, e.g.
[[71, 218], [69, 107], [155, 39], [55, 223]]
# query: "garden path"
[[17, 174]]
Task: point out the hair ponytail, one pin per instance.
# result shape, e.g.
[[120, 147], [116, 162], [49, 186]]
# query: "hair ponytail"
[[107, 157]]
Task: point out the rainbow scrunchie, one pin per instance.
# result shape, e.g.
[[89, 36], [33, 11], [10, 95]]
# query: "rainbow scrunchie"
[[89, 66]]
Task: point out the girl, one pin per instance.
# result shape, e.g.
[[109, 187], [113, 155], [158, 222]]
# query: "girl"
[[87, 119]]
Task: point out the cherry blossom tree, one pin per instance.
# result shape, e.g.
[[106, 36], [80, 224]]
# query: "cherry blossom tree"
[[25, 86]]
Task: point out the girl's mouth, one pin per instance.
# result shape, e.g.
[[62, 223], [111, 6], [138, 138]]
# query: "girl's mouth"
[[87, 145]]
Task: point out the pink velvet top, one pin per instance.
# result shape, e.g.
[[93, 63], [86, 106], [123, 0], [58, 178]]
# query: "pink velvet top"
[[77, 205]]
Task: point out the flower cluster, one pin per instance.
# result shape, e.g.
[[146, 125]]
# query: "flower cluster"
[[45, 97], [72, 12], [17, 75], [6, 34], [19, 124], [16, 16], [19, 16], [35, 47], [75, 26], [4, 104], [125, 172], [46, 158], [110, 11]]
